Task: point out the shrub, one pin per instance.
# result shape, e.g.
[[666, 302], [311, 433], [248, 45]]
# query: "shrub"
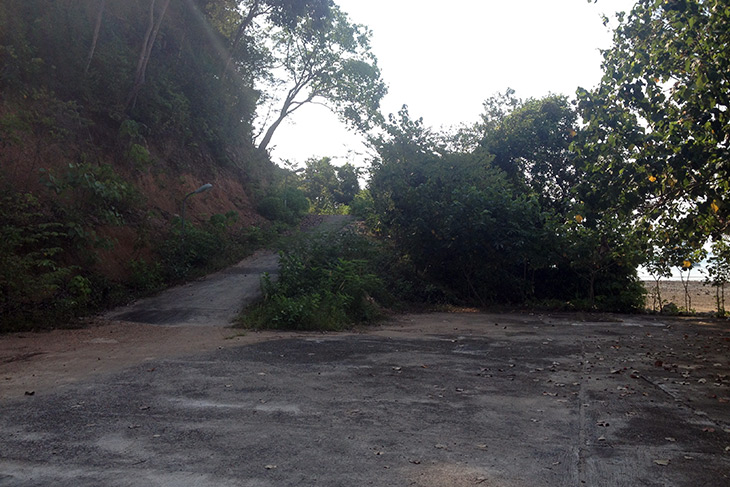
[[96, 191], [324, 284], [146, 277], [288, 205], [200, 249], [272, 208], [36, 285]]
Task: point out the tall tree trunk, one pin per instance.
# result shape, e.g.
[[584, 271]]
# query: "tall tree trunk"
[[94, 40], [153, 28], [252, 13], [269, 134], [288, 107]]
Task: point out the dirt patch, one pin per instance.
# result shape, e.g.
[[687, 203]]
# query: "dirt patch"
[[34, 363]]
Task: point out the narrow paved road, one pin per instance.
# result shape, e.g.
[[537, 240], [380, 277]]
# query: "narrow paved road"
[[214, 300], [217, 299]]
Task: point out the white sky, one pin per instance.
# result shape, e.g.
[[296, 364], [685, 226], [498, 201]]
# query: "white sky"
[[443, 59]]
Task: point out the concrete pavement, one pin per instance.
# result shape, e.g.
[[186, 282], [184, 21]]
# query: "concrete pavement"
[[429, 400], [214, 300]]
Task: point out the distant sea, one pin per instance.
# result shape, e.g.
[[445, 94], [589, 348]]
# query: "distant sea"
[[695, 274]]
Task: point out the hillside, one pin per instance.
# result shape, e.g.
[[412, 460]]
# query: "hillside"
[[110, 113]]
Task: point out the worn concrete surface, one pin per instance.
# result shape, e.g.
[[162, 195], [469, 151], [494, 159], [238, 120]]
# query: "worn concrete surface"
[[218, 298], [429, 400], [213, 300]]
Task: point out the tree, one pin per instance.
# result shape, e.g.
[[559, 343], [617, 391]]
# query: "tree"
[[658, 265], [319, 183], [718, 269], [530, 141], [328, 62], [97, 28], [237, 21], [348, 184], [457, 218], [328, 187], [493, 234], [153, 28], [604, 254], [658, 125]]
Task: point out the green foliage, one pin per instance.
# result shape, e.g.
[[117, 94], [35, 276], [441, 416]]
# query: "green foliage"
[[348, 185], [12, 126], [327, 61], [131, 134], [655, 145], [658, 125], [718, 264], [363, 207], [324, 283], [296, 202], [530, 142], [146, 277], [36, 285], [490, 235], [718, 269], [604, 256], [287, 205], [200, 249], [48, 48], [95, 190], [272, 207], [321, 310], [44, 125], [329, 188], [66, 83], [454, 215]]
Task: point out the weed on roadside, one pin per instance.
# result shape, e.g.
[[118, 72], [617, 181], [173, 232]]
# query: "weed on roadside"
[[326, 282]]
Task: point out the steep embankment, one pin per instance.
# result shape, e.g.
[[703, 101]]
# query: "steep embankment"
[[121, 209], [161, 198], [110, 113]]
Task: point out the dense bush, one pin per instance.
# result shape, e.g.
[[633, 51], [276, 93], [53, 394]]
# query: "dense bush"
[[493, 231], [198, 249], [287, 205], [325, 282], [36, 282], [49, 246]]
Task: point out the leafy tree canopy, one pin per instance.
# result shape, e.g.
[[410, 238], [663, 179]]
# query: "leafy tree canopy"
[[458, 218], [530, 142], [328, 186], [499, 220], [327, 62], [657, 130]]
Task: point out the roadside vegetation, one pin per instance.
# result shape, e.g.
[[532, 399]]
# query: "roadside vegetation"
[[49, 260], [554, 204], [111, 111], [327, 281]]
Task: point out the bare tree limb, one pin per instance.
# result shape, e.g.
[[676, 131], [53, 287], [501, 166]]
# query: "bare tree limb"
[[95, 39], [153, 28]]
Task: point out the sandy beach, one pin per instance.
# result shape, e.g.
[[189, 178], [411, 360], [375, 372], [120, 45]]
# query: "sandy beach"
[[702, 296]]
